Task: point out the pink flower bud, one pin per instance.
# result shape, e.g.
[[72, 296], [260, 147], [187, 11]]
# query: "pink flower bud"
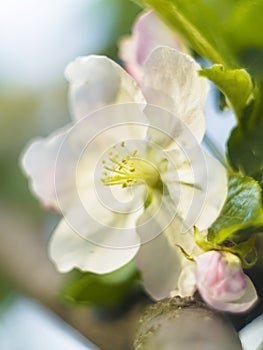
[[222, 283], [148, 33]]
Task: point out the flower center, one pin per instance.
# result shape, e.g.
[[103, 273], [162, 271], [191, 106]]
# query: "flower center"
[[128, 169]]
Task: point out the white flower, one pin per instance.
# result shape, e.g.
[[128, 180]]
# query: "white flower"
[[129, 171], [148, 33]]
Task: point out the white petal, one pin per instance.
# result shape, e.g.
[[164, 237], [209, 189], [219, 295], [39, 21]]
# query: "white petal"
[[38, 162], [167, 130], [198, 183], [97, 81], [216, 192], [51, 162], [171, 81], [159, 259], [186, 282], [240, 305], [68, 250], [91, 201], [95, 212], [160, 265], [148, 33]]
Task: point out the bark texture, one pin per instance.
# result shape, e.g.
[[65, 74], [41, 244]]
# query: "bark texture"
[[184, 324]]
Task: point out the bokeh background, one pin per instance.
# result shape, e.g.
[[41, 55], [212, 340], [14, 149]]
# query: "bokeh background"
[[37, 40]]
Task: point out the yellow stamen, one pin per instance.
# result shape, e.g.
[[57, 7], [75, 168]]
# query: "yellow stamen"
[[129, 169]]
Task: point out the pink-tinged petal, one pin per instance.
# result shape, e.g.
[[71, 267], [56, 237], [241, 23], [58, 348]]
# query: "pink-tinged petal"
[[97, 81], [243, 304], [171, 81], [148, 33], [38, 162], [222, 283], [68, 251]]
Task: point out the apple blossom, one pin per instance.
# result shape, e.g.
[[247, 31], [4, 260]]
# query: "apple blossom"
[[128, 174], [222, 283], [148, 33]]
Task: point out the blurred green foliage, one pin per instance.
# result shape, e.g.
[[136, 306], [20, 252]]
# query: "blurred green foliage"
[[127, 12], [107, 290], [28, 113], [199, 24], [19, 121], [224, 31], [245, 144], [6, 287], [236, 84]]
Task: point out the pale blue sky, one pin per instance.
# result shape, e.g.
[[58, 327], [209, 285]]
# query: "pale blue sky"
[[38, 38]]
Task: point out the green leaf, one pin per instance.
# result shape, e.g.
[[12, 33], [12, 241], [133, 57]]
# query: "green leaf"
[[223, 8], [245, 152], [241, 211], [236, 85], [245, 144], [199, 24], [244, 26], [106, 290], [203, 243], [245, 250]]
